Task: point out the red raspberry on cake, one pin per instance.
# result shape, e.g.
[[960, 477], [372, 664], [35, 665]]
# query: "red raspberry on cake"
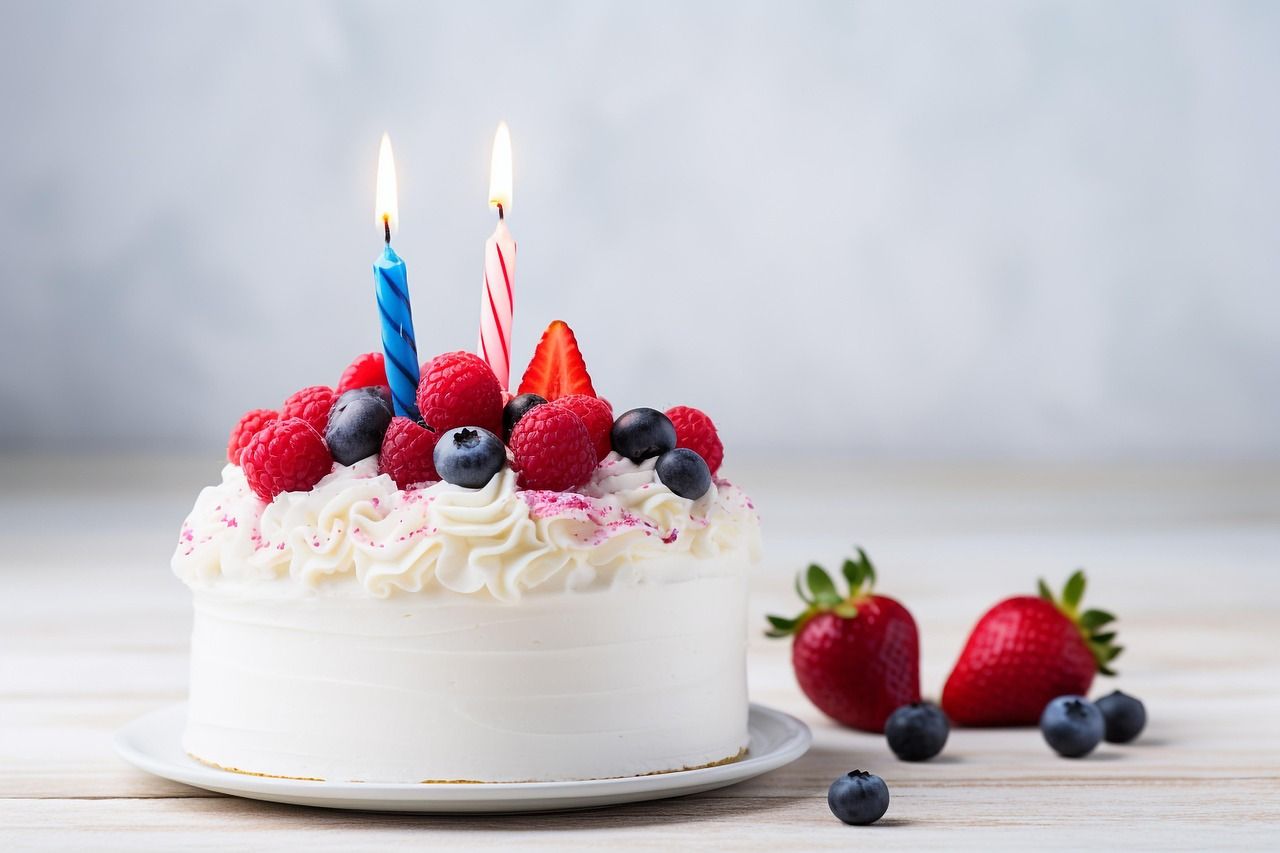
[[364, 371], [596, 416], [552, 449], [458, 389], [407, 453], [311, 405], [696, 431], [287, 455], [250, 422]]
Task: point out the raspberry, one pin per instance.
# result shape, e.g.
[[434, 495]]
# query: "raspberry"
[[695, 431], [407, 451], [596, 416], [553, 449], [364, 370], [311, 404], [286, 455], [249, 423], [458, 389]]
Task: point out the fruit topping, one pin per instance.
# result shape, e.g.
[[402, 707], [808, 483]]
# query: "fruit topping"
[[363, 371], [286, 455], [552, 449], [684, 473], [407, 453], [697, 432], [1124, 715], [311, 404], [1024, 652], [469, 456], [596, 415], [640, 434], [557, 368], [858, 798], [857, 657], [250, 422], [357, 424], [458, 389], [1072, 725], [917, 732], [515, 409]]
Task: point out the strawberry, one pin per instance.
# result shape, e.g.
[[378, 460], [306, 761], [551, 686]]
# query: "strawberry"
[[557, 368], [1026, 651], [856, 657]]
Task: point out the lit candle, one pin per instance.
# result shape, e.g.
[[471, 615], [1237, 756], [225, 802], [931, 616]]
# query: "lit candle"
[[392, 284], [497, 302]]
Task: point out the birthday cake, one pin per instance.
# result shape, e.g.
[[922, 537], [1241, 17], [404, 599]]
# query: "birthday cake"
[[498, 590]]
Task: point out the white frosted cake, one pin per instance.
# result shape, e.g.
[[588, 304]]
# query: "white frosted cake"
[[365, 629]]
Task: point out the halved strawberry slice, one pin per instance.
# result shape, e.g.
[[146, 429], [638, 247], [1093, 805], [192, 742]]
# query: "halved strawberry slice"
[[557, 369]]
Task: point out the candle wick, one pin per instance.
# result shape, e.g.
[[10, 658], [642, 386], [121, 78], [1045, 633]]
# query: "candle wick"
[[501, 214], [386, 229]]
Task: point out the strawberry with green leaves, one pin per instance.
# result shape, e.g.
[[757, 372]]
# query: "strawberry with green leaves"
[[856, 656], [1025, 652]]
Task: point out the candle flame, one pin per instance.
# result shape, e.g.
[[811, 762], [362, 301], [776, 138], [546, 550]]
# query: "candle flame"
[[386, 207], [500, 169]]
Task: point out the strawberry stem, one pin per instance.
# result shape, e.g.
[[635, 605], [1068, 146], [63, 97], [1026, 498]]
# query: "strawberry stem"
[[819, 592], [1089, 622]]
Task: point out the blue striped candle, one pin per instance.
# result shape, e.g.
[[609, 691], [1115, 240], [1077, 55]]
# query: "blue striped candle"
[[398, 345]]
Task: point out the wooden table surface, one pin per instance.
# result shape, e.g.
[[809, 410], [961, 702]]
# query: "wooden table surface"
[[93, 632]]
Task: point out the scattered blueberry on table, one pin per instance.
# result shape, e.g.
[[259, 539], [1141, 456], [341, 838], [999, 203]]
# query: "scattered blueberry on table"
[[858, 798], [469, 456], [1072, 725], [917, 732], [1125, 716]]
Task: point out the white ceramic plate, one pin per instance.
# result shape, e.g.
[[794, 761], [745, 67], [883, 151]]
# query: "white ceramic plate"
[[154, 743]]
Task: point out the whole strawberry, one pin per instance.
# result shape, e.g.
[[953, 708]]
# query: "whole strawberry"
[[458, 389], [856, 657], [1026, 651]]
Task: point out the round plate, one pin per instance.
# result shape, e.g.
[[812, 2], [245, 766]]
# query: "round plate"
[[154, 743]]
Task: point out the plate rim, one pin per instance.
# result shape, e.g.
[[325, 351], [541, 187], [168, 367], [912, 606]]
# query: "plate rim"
[[473, 796]]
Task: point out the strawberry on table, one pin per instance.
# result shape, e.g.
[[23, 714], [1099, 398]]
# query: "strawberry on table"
[[557, 368], [857, 657], [1026, 651]]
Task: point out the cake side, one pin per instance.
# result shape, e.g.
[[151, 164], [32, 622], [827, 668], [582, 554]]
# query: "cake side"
[[627, 680]]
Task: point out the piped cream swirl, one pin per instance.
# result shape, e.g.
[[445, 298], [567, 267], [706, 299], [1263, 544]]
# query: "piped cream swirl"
[[355, 525]]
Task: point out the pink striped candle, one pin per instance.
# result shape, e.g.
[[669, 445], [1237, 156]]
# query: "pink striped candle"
[[497, 302]]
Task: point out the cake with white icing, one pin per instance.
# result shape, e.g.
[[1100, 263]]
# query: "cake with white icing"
[[561, 596]]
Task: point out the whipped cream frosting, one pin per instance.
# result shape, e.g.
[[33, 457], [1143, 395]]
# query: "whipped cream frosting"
[[355, 530]]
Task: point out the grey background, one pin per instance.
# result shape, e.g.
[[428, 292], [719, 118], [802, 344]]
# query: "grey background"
[[972, 230]]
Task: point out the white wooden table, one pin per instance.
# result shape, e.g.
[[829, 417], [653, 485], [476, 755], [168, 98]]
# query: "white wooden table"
[[93, 632]]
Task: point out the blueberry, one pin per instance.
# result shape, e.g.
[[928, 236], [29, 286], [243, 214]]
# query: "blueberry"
[[684, 472], [1072, 725], [382, 392], [469, 456], [643, 433], [1125, 717], [515, 409], [858, 798], [917, 732], [357, 422]]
